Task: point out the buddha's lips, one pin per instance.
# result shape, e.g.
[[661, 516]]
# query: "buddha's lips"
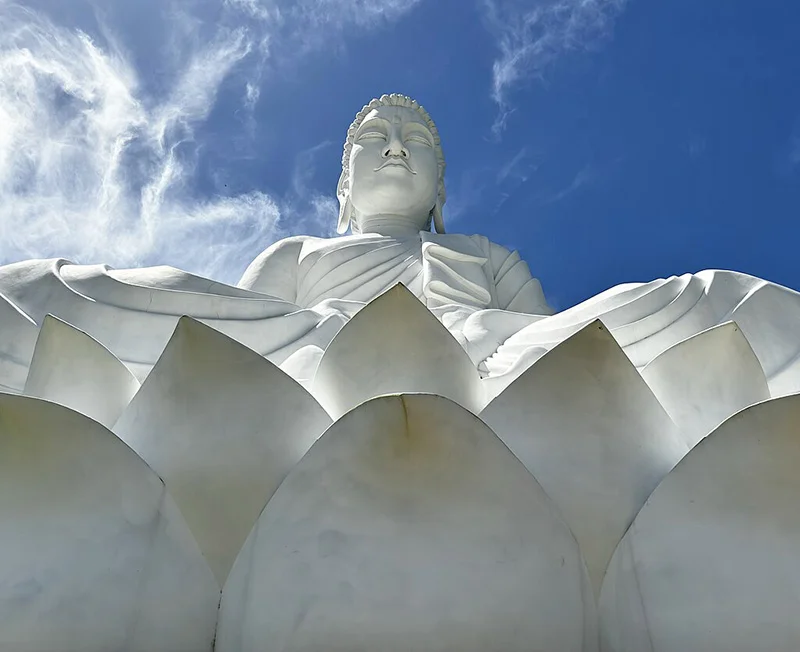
[[395, 161]]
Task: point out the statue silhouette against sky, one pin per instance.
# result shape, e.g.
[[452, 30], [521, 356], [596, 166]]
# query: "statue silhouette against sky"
[[295, 296]]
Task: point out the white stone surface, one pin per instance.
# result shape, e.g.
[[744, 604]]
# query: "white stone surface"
[[391, 191], [18, 334], [298, 294], [394, 345], [768, 317], [134, 312], [408, 526], [72, 368], [707, 378], [392, 169], [586, 425], [712, 562], [222, 427], [646, 319], [94, 555]]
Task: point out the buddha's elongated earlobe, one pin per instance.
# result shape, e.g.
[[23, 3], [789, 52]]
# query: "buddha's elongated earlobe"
[[438, 218], [345, 214], [345, 207]]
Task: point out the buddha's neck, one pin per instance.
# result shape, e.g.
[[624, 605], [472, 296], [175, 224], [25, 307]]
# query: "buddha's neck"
[[396, 226]]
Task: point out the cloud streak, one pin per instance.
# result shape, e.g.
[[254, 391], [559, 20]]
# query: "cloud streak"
[[531, 34], [96, 166], [92, 169]]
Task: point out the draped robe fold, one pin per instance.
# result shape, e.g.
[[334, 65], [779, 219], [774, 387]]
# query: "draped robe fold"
[[297, 295]]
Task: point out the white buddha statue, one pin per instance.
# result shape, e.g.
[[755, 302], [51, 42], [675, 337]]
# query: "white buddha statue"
[[294, 297], [391, 190], [502, 506], [300, 291]]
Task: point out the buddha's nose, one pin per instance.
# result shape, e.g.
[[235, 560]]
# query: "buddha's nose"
[[395, 147]]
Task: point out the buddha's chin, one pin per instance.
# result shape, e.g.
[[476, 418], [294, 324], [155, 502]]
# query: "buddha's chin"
[[394, 186], [386, 199]]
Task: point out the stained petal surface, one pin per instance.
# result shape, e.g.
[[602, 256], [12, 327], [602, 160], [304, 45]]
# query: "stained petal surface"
[[408, 526], [222, 426], [394, 345], [712, 561], [72, 368], [94, 555], [707, 378], [585, 424]]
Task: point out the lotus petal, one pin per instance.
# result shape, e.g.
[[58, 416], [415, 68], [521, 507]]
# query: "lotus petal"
[[408, 526], [393, 345], [222, 426], [17, 340], [768, 318], [72, 368], [585, 424], [712, 561], [95, 555], [707, 378]]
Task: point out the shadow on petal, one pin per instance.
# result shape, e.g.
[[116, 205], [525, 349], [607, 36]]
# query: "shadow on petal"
[[586, 425], [72, 368], [222, 426], [394, 344], [706, 378], [95, 555], [16, 346], [409, 526], [712, 561], [774, 340]]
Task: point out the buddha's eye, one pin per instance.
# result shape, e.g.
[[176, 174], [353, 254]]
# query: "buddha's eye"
[[418, 138], [370, 135]]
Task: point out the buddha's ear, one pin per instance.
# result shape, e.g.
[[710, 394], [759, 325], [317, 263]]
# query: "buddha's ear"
[[345, 207], [438, 218], [345, 213]]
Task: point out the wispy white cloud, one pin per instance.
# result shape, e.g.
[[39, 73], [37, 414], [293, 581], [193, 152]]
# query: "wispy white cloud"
[[302, 26], [532, 33], [341, 13], [264, 11], [304, 206], [583, 178], [91, 169], [516, 168], [97, 168]]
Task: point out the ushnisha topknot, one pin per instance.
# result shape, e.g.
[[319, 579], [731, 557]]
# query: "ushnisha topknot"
[[343, 187]]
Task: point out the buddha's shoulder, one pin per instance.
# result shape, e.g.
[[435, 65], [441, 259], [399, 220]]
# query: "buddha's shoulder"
[[291, 244]]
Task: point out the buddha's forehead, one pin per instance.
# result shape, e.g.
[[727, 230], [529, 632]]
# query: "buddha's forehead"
[[395, 114]]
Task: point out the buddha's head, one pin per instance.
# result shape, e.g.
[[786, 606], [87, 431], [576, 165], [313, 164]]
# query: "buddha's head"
[[392, 169]]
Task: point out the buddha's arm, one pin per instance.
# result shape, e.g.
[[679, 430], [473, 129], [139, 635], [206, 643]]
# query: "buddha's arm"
[[274, 271], [516, 289]]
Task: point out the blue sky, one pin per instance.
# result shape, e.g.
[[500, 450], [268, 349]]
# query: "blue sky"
[[608, 140]]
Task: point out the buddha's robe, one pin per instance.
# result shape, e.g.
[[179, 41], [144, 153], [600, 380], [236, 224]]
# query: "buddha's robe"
[[295, 297], [292, 299], [441, 270], [647, 319], [134, 312]]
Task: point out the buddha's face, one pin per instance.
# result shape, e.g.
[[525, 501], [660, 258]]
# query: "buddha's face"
[[393, 167]]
